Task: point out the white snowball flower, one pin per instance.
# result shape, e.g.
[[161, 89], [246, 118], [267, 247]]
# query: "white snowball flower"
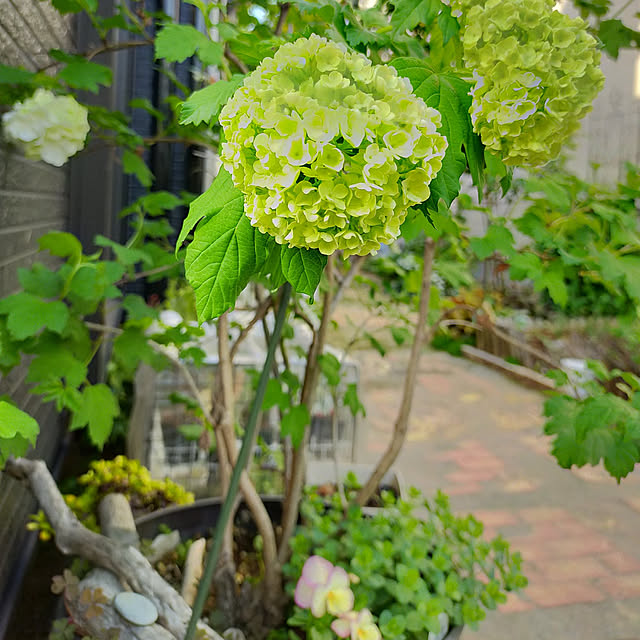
[[47, 127]]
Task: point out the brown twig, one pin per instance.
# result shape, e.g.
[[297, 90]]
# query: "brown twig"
[[402, 421], [260, 313], [233, 58], [282, 16], [354, 269]]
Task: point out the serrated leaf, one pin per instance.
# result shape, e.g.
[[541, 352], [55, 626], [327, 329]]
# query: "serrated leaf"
[[449, 94], [133, 164], [41, 281], [131, 347], [61, 244], [205, 104], [137, 309], [158, 202], [86, 75], [497, 238], [222, 194], [597, 444], [191, 431], [28, 314], [352, 400], [621, 459], [330, 367], [16, 75], [225, 253], [126, 255], [449, 26], [375, 343], [400, 335], [274, 396], [408, 14], [98, 409], [302, 268], [13, 422], [54, 359], [177, 42], [294, 423]]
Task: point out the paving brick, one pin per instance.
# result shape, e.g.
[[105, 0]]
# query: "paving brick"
[[622, 586], [471, 476], [496, 518], [583, 568], [559, 594], [543, 514], [634, 503], [463, 489], [520, 485], [515, 604], [569, 548], [561, 528], [620, 562]]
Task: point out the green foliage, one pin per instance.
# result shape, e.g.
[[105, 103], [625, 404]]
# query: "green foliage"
[[204, 105], [120, 475], [18, 430], [583, 245], [410, 568], [598, 425]]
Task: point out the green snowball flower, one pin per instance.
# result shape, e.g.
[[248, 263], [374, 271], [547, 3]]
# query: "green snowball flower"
[[329, 150], [536, 74]]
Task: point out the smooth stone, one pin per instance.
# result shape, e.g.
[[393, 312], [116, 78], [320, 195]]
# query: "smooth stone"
[[135, 608]]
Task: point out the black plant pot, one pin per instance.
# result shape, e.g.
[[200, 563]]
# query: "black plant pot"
[[201, 517]]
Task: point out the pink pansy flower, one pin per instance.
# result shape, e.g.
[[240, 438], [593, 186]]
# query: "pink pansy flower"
[[323, 587], [357, 624]]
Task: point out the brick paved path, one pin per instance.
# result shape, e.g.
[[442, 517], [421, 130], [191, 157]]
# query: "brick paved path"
[[478, 437]]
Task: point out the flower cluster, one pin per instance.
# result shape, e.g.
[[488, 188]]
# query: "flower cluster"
[[323, 588], [329, 150], [47, 127], [536, 74], [120, 475]]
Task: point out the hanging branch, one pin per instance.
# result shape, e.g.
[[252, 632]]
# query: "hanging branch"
[[402, 421]]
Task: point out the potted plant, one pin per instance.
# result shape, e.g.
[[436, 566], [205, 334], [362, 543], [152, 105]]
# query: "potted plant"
[[333, 144]]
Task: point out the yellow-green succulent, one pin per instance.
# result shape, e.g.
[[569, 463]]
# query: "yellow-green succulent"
[[536, 74], [329, 150]]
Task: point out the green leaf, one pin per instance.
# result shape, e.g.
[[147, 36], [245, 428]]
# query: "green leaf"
[[553, 280], [10, 354], [621, 460], [497, 238], [205, 105], [408, 14], [137, 309], [222, 194], [352, 400], [294, 423], [99, 408], [55, 360], [16, 75], [14, 422], [86, 75], [41, 281], [330, 367], [225, 253], [27, 314], [598, 443], [191, 431], [126, 255], [400, 335], [177, 42], [132, 163], [375, 343], [448, 94], [158, 202], [274, 396], [448, 24], [302, 268], [615, 35], [131, 347], [61, 244]]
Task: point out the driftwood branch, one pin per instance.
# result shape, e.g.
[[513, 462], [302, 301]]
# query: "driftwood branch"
[[402, 421], [126, 562]]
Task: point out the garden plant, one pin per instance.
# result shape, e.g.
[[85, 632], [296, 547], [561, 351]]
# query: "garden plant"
[[340, 129]]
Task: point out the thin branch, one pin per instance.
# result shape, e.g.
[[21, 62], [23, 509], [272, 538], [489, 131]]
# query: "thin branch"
[[356, 265], [145, 274], [282, 17], [260, 313], [233, 58], [116, 46], [402, 421]]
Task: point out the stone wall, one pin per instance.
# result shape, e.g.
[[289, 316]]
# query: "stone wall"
[[34, 199]]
